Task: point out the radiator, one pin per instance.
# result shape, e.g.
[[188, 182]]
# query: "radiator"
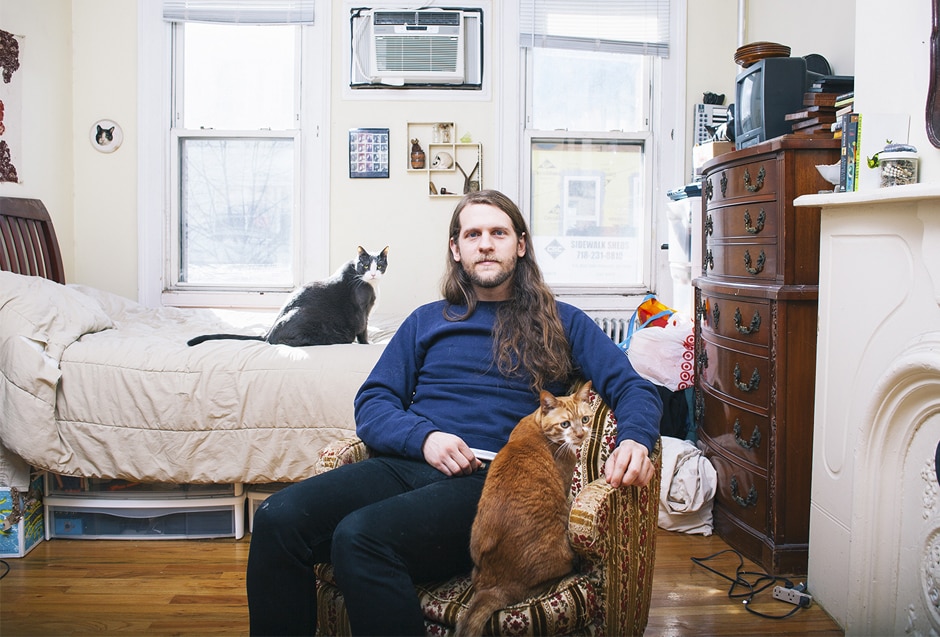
[[614, 327]]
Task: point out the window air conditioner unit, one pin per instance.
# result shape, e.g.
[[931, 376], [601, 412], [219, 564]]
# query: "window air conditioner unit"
[[424, 47]]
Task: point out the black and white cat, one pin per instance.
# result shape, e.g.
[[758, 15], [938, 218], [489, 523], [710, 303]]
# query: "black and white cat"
[[328, 312]]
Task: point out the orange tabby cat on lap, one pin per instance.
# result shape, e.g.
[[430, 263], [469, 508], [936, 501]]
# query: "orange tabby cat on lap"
[[519, 540]]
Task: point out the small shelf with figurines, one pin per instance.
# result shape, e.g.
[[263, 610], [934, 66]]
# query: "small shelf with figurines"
[[453, 167]]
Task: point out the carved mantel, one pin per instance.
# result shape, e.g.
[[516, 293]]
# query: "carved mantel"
[[874, 551]]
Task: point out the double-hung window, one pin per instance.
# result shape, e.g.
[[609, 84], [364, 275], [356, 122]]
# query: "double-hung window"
[[236, 154], [588, 140]]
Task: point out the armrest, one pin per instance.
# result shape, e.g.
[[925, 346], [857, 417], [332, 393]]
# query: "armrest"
[[613, 531], [340, 452]]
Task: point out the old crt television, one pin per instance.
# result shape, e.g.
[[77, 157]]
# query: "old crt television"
[[765, 93]]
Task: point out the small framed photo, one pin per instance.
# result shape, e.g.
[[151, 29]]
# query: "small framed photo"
[[368, 153]]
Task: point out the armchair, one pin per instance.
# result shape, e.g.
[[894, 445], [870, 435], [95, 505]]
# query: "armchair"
[[612, 531]]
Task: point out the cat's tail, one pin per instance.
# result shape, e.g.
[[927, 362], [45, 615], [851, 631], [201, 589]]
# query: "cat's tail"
[[218, 337], [482, 606]]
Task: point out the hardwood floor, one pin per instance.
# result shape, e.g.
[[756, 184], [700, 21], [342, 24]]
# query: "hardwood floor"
[[76, 587]]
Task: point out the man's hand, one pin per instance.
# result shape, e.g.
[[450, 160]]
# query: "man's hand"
[[629, 464], [449, 454]]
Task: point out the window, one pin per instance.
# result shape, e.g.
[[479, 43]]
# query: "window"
[[588, 157], [241, 171]]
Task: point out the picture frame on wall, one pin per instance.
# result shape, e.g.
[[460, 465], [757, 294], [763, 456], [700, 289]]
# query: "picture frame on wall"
[[368, 153]]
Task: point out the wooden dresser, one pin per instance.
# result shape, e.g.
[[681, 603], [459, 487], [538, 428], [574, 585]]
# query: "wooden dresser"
[[756, 304]]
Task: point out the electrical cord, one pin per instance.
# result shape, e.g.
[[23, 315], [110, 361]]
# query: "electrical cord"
[[762, 582], [6, 568]]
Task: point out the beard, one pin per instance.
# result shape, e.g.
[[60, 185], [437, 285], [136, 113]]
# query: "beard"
[[491, 278]]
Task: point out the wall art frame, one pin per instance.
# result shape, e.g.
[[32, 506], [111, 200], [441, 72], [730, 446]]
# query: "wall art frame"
[[368, 153]]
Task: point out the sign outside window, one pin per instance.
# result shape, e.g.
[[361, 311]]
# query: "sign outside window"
[[587, 211]]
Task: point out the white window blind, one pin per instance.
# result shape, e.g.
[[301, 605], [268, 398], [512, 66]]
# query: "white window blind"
[[239, 11], [621, 26]]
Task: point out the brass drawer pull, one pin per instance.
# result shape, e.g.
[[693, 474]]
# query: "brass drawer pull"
[[749, 386], [751, 499], [709, 225], [761, 219], [754, 326], [724, 184], [708, 263], [761, 259], [753, 443], [716, 314], [709, 189], [760, 180]]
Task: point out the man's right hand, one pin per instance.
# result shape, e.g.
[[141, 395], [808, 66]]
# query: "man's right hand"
[[449, 454]]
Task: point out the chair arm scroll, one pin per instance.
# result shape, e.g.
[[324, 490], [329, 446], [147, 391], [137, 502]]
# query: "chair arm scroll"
[[340, 452]]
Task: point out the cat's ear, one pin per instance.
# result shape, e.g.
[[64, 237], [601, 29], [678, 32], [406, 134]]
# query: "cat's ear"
[[585, 392], [547, 400], [385, 252], [362, 251]]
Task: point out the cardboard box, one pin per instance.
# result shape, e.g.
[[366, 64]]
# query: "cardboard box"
[[701, 153], [26, 528]]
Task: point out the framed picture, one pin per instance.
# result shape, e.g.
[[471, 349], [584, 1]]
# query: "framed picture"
[[368, 153]]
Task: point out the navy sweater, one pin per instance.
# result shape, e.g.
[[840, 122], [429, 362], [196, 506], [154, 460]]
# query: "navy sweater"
[[439, 375]]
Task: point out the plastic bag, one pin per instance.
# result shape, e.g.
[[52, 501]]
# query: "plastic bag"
[[650, 312], [665, 355]]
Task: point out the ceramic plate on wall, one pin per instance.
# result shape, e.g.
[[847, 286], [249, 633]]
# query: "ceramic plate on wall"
[[106, 136]]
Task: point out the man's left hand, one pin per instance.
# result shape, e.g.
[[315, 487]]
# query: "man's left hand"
[[629, 464]]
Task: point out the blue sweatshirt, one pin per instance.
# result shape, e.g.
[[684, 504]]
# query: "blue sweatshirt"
[[439, 375]]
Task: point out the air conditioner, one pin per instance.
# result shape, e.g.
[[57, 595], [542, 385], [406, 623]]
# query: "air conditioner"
[[424, 47]]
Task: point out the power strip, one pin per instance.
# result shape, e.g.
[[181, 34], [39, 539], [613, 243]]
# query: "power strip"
[[792, 596]]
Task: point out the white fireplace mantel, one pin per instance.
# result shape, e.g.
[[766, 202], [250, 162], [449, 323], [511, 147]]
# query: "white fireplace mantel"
[[874, 547]]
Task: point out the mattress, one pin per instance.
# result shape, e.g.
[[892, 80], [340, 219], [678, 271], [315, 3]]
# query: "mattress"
[[96, 385]]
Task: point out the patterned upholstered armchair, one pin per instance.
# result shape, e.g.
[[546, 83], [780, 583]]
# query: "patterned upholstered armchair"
[[613, 532]]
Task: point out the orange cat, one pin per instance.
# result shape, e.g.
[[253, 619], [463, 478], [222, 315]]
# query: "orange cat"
[[519, 540]]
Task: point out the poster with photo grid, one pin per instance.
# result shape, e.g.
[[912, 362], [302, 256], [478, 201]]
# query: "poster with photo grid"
[[368, 153]]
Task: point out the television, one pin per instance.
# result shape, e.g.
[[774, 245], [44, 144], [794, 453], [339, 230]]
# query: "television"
[[765, 93]]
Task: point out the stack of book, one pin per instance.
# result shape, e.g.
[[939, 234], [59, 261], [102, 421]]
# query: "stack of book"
[[848, 128], [819, 106]]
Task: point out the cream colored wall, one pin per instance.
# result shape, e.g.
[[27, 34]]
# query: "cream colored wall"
[[76, 71], [806, 26], [397, 211], [45, 160]]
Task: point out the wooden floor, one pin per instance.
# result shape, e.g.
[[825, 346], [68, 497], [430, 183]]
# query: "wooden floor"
[[76, 587]]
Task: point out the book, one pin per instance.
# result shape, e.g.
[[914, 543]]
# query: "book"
[[847, 152]]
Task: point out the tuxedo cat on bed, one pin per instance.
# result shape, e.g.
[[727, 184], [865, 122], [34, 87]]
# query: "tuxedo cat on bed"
[[328, 312]]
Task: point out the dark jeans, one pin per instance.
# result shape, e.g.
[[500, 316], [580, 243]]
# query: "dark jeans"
[[384, 523]]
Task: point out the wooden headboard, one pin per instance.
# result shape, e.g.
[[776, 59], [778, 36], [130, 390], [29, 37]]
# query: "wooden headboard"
[[28, 243]]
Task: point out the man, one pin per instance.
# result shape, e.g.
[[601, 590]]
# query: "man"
[[444, 396]]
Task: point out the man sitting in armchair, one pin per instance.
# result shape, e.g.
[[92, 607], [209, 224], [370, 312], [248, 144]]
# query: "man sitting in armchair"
[[442, 400]]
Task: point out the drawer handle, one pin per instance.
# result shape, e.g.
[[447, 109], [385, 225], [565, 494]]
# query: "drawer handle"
[[753, 443], [753, 327], [709, 189], [751, 499], [761, 259], [724, 184], [709, 225], [702, 310], [749, 386], [708, 263], [760, 180], [699, 406], [716, 314], [761, 218]]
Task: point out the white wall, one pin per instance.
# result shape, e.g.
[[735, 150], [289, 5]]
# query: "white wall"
[[76, 71], [45, 160]]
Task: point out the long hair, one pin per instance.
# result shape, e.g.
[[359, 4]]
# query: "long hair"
[[528, 335]]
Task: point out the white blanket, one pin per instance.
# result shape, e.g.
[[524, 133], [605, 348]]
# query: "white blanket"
[[92, 384], [689, 482]]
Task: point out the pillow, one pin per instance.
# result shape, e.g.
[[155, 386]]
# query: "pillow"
[[47, 313]]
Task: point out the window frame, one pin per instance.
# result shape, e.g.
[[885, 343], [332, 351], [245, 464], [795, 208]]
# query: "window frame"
[[643, 138], [156, 196]]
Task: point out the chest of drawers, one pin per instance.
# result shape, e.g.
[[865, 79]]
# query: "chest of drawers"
[[756, 305]]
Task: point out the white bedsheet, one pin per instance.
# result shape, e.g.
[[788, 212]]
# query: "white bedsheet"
[[93, 384]]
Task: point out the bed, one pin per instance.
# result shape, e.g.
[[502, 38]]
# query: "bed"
[[95, 385]]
